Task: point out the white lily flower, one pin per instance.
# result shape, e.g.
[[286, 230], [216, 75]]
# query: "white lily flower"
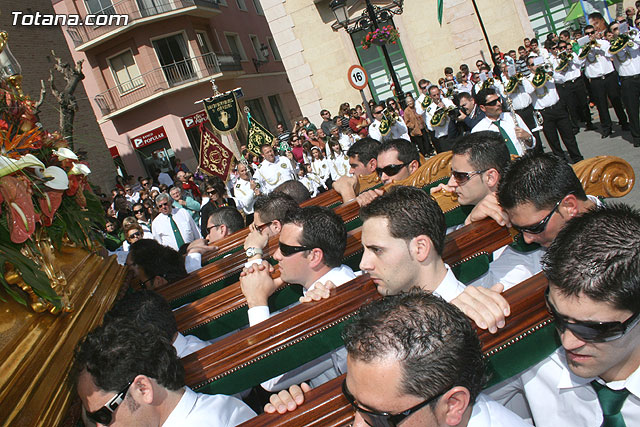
[[65, 153], [80, 169], [60, 179], [9, 166]]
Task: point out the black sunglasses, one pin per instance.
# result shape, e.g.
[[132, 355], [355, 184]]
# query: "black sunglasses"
[[378, 112], [288, 250], [383, 419], [136, 235], [137, 211], [104, 415], [539, 227], [591, 331], [263, 226], [588, 33], [213, 226], [463, 177], [492, 103], [391, 170]]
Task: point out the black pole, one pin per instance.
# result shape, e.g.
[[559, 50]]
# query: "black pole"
[[396, 83], [484, 32]]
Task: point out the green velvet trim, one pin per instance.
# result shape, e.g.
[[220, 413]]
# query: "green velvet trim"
[[238, 319], [277, 363], [457, 215], [203, 292], [353, 224], [473, 268], [522, 354], [435, 183], [224, 254], [521, 246]]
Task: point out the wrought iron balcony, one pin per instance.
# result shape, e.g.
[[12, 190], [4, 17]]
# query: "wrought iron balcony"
[[157, 82], [139, 12]]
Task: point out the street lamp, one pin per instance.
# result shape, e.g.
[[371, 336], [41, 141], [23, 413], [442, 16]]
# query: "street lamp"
[[368, 20], [264, 51]]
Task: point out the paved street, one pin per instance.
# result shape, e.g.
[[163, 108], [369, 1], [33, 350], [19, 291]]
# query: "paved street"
[[619, 144]]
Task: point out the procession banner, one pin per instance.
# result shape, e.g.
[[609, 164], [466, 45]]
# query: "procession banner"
[[222, 111], [258, 135], [215, 158]]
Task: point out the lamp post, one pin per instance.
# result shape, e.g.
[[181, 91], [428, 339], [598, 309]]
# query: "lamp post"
[[264, 51], [370, 19]]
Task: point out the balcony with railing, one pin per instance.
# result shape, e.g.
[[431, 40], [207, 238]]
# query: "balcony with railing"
[[139, 12], [160, 81]]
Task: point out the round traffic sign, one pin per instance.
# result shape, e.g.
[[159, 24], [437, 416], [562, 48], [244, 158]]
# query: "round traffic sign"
[[357, 77]]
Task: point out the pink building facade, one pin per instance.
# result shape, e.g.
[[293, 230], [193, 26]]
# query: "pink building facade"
[[144, 79]]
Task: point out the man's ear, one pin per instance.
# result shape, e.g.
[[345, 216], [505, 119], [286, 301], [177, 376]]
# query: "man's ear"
[[158, 281], [413, 166], [493, 177], [277, 226], [570, 206], [420, 247], [372, 164], [224, 230], [451, 407], [141, 389], [482, 108]]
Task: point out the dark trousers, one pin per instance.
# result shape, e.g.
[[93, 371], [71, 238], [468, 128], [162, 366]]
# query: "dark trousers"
[[527, 117], [574, 95], [556, 120], [630, 98], [603, 88], [423, 143]]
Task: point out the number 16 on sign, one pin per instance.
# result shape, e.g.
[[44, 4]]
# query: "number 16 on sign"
[[358, 79]]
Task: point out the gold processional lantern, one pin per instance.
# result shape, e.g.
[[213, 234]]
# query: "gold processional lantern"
[[10, 69]]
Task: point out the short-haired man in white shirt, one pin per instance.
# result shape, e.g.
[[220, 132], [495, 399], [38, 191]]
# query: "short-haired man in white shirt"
[[173, 227], [594, 297], [386, 128]]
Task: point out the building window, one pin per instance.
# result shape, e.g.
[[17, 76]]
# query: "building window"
[[222, 2], [208, 56], [276, 107], [100, 7], [274, 49], [174, 58], [256, 46], [125, 72], [152, 7], [242, 5], [258, 6], [257, 112], [235, 45]]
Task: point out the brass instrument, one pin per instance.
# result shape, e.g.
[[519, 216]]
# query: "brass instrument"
[[513, 83], [622, 41], [565, 59], [540, 78], [439, 116], [389, 119], [587, 48], [488, 83], [426, 102]]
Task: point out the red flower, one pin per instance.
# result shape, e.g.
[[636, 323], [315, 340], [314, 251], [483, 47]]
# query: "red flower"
[[3, 125]]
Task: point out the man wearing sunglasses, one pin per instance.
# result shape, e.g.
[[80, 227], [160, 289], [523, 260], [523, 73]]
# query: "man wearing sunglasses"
[[397, 129], [310, 249], [273, 171], [415, 360], [173, 227], [516, 134], [593, 379], [396, 160], [423, 87], [223, 222], [130, 375]]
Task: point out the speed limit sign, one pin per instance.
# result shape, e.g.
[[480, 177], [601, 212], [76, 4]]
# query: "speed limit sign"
[[358, 77]]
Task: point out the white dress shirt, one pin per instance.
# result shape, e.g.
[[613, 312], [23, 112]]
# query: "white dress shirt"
[[339, 166], [321, 168], [570, 73], [206, 410], [497, 85], [270, 175], [398, 130], [545, 96], [627, 60], [443, 130], [418, 105], [557, 397], [521, 97], [186, 345], [450, 287], [489, 413], [596, 63], [511, 268], [243, 195], [506, 122], [163, 233], [311, 183]]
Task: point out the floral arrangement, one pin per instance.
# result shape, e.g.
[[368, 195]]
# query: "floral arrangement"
[[384, 35], [43, 187]]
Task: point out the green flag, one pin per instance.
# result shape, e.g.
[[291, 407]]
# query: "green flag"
[[258, 135], [440, 10]]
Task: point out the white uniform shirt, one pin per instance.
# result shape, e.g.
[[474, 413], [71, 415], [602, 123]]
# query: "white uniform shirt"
[[244, 196], [627, 60], [497, 85], [557, 397], [521, 97], [163, 233], [489, 413], [270, 175], [339, 166], [322, 168], [398, 130], [450, 287], [418, 105], [506, 122], [545, 96], [206, 410], [186, 345], [312, 183], [443, 130], [570, 73], [596, 63]]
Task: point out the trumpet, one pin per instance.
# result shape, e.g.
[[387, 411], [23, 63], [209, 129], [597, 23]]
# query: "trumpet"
[[513, 83], [622, 41], [439, 116], [587, 48], [564, 58]]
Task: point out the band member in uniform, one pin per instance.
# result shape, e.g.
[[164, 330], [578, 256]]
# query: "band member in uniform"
[[518, 90], [438, 120], [273, 171]]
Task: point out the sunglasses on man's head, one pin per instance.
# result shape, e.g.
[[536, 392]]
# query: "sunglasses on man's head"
[[540, 226], [591, 331], [383, 419], [391, 170], [288, 250], [463, 177], [104, 415]]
